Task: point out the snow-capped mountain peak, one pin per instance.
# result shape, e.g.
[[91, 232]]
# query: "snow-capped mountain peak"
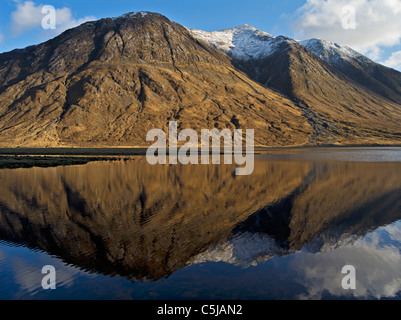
[[242, 27], [243, 42]]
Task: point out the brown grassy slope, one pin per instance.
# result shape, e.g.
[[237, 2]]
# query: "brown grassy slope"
[[109, 82]]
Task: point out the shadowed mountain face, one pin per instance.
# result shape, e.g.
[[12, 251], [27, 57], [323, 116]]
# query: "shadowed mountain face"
[[144, 222], [107, 83], [372, 76]]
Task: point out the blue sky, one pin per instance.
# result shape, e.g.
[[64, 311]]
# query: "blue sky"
[[377, 33]]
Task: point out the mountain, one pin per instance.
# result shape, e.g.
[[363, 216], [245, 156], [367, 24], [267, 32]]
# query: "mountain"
[[340, 104], [108, 82]]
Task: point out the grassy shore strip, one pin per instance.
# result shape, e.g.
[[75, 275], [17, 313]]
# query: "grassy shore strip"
[[74, 151], [142, 151], [13, 162]]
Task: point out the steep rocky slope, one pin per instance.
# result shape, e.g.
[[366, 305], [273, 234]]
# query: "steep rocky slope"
[[107, 83]]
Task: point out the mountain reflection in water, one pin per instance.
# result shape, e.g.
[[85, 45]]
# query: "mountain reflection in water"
[[145, 223]]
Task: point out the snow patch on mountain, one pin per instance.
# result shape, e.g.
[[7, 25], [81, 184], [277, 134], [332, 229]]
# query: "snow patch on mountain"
[[332, 53], [243, 42], [247, 43]]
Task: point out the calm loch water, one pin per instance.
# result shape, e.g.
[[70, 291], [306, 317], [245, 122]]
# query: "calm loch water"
[[128, 230]]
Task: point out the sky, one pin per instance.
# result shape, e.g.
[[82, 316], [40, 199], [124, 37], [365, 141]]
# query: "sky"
[[372, 27]]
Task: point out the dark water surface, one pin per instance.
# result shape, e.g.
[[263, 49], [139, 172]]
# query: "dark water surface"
[[128, 230]]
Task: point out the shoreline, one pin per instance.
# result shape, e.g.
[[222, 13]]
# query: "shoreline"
[[137, 151], [13, 158]]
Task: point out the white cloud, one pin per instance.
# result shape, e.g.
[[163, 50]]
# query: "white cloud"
[[394, 61], [1, 38], [28, 15], [378, 24]]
